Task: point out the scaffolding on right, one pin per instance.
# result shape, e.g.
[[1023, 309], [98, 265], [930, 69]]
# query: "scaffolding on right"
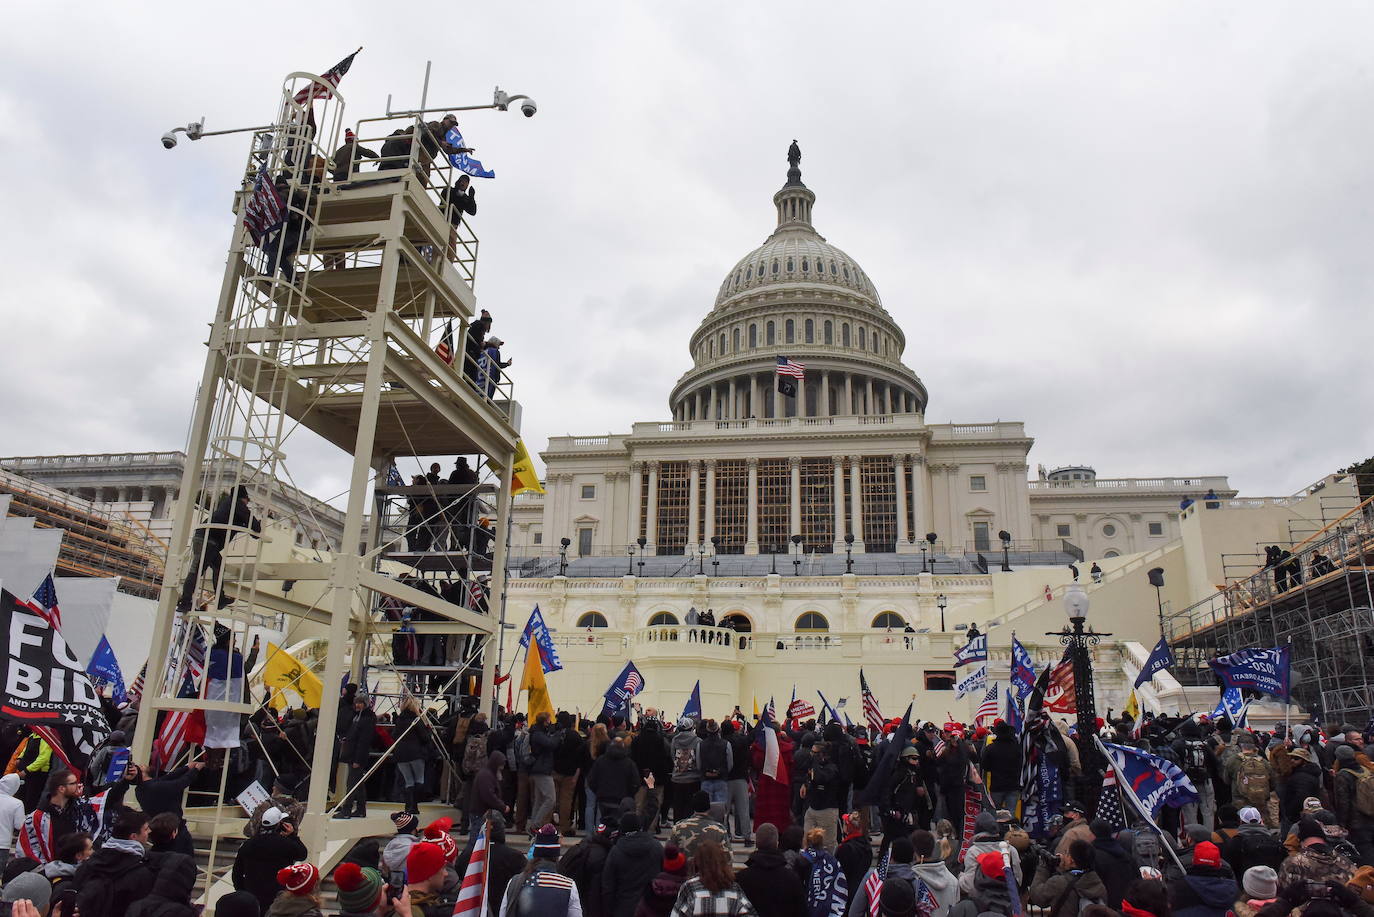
[[1320, 600]]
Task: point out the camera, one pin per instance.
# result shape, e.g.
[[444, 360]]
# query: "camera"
[[169, 140], [528, 108]]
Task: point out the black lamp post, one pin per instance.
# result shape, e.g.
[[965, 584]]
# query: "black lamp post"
[[1157, 580], [848, 552], [1006, 549], [641, 541], [923, 557], [796, 561], [1079, 642], [701, 559], [774, 550], [931, 538], [630, 564], [715, 554], [563, 556], [942, 603]]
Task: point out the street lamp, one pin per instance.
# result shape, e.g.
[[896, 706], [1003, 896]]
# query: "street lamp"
[[774, 550], [931, 538], [923, 557], [796, 561], [630, 564], [715, 555], [1006, 549], [1080, 642], [563, 556], [1157, 580], [701, 558], [641, 541], [848, 552], [942, 603]]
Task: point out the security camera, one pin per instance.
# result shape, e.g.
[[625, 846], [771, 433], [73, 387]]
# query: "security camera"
[[169, 140], [528, 108]]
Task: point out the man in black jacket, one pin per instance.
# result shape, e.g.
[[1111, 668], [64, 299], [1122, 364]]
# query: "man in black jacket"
[[1002, 764], [769, 881], [585, 863], [117, 874], [567, 767], [543, 743], [472, 344], [1112, 863], [158, 795], [355, 753], [650, 753], [630, 866], [271, 849], [821, 796], [613, 777], [737, 780], [207, 547]]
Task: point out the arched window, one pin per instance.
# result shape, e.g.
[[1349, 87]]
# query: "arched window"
[[829, 332], [790, 264], [738, 622], [811, 622], [593, 619], [889, 619], [768, 333], [734, 339], [775, 265], [863, 344], [749, 272], [789, 331], [806, 265], [844, 335], [722, 343], [711, 348], [846, 271], [753, 335], [736, 278], [1111, 554], [810, 331], [663, 618], [874, 338]]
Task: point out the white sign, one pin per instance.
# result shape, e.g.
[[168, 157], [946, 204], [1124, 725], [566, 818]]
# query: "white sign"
[[252, 797]]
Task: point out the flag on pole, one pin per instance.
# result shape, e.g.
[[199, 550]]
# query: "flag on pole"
[[104, 670], [331, 77], [766, 738], [826, 708], [1060, 696], [873, 885], [872, 715], [1109, 803], [1161, 657], [1133, 707], [693, 708], [1265, 671], [1014, 712], [1039, 772], [282, 672], [472, 893], [264, 212], [626, 685], [393, 476], [797, 708], [45, 603], [1022, 669], [973, 681], [756, 707], [788, 372], [1154, 780], [464, 162], [976, 650], [533, 681], [444, 349], [987, 709], [523, 476], [536, 628], [181, 728]]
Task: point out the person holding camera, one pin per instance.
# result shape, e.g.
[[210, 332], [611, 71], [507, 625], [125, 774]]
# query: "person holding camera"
[[1068, 884], [266, 853], [820, 794], [362, 893]]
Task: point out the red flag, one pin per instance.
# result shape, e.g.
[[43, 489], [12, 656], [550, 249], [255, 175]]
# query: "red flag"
[[1060, 698]]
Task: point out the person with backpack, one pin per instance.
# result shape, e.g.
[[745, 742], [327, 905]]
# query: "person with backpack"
[[1251, 778], [118, 874], [1112, 863], [1194, 757], [1068, 886], [471, 759], [522, 757], [543, 744], [584, 864], [1253, 844], [737, 778], [1304, 780], [685, 751], [1352, 801], [634, 860], [662, 892]]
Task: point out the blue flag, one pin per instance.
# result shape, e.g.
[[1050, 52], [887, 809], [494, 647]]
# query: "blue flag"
[[1157, 782], [1013, 712], [626, 685], [1161, 657], [1232, 706], [119, 762], [693, 708], [826, 708], [104, 670], [1022, 669], [976, 650], [462, 161], [548, 656], [1265, 671]]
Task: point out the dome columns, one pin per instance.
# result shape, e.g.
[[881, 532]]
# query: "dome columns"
[[825, 392]]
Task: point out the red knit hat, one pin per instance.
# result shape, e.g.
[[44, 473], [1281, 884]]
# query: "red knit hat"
[[424, 861], [992, 865], [299, 879], [1206, 854], [674, 860], [437, 832]]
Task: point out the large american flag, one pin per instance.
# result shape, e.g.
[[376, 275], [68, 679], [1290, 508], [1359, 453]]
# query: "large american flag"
[[44, 603], [873, 885], [871, 712], [445, 348], [316, 91], [791, 368], [1109, 803], [988, 706], [183, 727], [472, 894], [264, 211]]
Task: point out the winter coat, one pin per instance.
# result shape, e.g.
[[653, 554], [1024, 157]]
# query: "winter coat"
[[112, 880], [1203, 892], [823, 786], [1343, 798], [858, 900], [357, 741], [773, 885], [257, 863], [855, 856], [289, 905], [613, 776], [941, 883], [739, 756], [503, 864], [1047, 889], [1080, 830], [1303, 781], [686, 757], [584, 864], [567, 758], [409, 741], [661, 895], [650, 753], [542, 745], [486, 786], [716, 758], [1002, 764], [1318, 863], [630, 866], [1115, 867], [171, 892], [984, 843], [11, 810], [1253, 845], [164, 794]]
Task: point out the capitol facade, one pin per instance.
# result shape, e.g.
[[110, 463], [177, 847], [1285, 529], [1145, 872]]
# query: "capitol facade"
[[824, 524]]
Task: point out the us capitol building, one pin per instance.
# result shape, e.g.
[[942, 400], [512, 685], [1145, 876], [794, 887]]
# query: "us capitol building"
[[822, 525]]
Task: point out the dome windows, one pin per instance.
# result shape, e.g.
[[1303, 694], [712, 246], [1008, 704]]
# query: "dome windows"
[[775, 266], [829, 332], [791, 331], [734, 339], [846, 271], [810, 331], [832, 268], [791, 265], [806, 266], [722, 343], [749, 272], [753, 336], [862, 343], [768, 335], [844, 335]]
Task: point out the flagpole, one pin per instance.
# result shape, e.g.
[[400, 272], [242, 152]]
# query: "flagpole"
[[1288, 694], [1124, 786]]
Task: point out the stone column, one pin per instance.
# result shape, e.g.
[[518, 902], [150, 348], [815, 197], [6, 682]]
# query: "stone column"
[[709, 526], [777, 400], [838, 501], [751, 544], [824, 405], [856, 502], [891, 398], [634, 505], [732, 412], [651, 525], [801, 397], [693, 508], [868, 398], [918, 496], [754, 396], [848, 393], [697, 413], [794, 516], [899, 467]]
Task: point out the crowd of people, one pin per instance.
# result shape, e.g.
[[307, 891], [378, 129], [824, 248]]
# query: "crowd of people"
[[640, 815]]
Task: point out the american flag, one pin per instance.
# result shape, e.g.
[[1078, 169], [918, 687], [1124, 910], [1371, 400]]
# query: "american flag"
[[626, 685], [183, 727], [135, 692], [45, 603], [873, 885], [264, 211], [1109, 803], [316, 91], [393, 476], [926, 902], [988, 706], [939, 744], [472, 894], [633, 682], [475, 595], [791, 368], [445, 348], [1060, 696], [871, 712]]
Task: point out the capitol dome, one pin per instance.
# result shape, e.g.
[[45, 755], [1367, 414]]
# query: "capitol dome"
[[797, 297]]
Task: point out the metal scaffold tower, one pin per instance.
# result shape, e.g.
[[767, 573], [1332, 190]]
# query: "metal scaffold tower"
[[346, 300]]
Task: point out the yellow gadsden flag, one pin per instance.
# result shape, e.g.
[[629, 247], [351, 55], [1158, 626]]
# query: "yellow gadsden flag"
[[283, 672], [522, 475], [533, 681], [1133, 707]]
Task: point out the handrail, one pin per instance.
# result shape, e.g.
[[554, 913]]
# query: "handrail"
[[1113, 576]]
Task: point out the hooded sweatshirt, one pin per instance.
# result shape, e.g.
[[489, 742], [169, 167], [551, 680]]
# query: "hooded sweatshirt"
[[942, 884], [11, 811], [614, 775], [686, 755], [984, 842], [486, 786], [630, 866], [171, 894], [1086, 886], [1203, 892], [771, 883]]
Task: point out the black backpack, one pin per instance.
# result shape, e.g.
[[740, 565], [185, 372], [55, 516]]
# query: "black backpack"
[[1259, 848], [1194, 759]]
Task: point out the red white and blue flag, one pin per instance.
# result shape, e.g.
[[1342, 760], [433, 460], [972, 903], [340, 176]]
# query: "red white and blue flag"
[[766, 738], [472, 893], [787, 372], [987, 709], [182, 728], [317, 91], [626, 685], [265, 211], [871, 712], [45, 603]]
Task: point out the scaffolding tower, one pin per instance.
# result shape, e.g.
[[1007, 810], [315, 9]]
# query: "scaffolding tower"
[[329, 321], [1321, 601]]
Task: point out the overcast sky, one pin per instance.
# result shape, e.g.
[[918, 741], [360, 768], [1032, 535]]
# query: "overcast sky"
[[1145, 230]]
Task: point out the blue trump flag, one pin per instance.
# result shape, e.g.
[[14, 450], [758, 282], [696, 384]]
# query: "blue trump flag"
[[1157, 782], [462, 161], [1013, 713], [976, 650], [626, 685], [1232, 706], [535, 627], [693, 708], [1265, 671], [1022, 669], [1161, 657], [104, 670]]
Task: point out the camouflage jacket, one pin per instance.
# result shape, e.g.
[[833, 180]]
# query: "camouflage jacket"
[[1318, 863], [688, 833]]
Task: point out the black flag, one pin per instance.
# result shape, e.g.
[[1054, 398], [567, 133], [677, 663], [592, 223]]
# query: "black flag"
[[787, 386], [45, 686]]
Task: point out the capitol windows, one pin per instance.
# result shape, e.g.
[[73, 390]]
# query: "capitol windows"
[[790, 265], [889, 620], [1111, 554], [775, 266], [722, 343], [749, 272], [939, 681], [812, 622], [862, 343], [977, 482], [790, 331], [593, 619], [588, 491], [753, 336], [806, 266], [832, 269], [1108, 531], [844, 335], [1062, 530], [768, 335], [734, 339], [810, 331], [663, 619], [846, 271], [829, 333], [1156, 528]]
